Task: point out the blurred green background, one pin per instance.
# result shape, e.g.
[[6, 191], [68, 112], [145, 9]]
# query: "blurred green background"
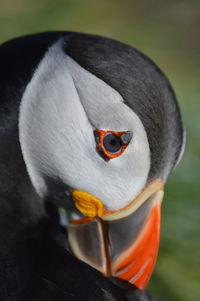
[[169, 33]]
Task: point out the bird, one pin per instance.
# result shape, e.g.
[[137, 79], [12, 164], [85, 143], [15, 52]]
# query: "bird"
[[90, 130]]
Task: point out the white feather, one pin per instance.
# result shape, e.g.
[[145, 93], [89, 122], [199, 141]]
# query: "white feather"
[[60, 108]]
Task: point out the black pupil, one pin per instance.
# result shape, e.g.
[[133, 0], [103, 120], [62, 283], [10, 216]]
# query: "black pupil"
[[112, 143]]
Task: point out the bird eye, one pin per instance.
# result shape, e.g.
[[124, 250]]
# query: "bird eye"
[[112, 143]]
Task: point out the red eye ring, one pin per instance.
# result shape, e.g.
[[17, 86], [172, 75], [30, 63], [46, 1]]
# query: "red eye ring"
[[123, 138]]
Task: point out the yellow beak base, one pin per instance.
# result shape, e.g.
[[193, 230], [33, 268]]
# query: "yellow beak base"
[[88, 204]]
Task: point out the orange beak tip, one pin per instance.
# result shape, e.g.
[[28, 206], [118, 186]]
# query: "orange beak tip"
[[137, 262]]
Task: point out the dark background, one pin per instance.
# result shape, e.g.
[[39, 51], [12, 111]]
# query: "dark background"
[[168, 31]]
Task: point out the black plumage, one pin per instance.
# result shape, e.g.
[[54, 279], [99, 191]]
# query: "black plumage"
[[34, 261]]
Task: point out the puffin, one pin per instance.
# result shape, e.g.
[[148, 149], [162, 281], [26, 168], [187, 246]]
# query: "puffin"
[[90, 130]]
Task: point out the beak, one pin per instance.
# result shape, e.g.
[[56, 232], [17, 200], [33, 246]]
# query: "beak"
[[122, 243]]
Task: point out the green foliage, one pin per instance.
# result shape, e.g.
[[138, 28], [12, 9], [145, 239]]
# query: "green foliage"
[[168, 32]]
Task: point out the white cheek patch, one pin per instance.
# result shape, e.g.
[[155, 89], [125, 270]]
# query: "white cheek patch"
[[60, 108]]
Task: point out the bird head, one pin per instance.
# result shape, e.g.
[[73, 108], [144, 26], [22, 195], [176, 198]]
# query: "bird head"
[[101, 119]]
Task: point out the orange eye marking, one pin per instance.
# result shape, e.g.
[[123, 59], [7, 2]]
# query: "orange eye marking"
[[121, 140]]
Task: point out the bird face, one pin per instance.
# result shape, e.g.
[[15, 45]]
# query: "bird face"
[[77, 129], [64, 112]]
